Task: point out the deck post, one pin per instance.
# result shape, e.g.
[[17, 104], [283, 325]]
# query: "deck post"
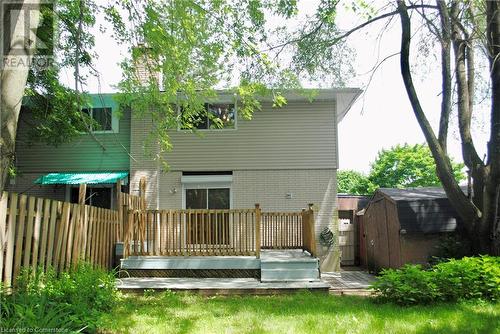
[[311, 229], [142, 216], [119, 208], [257, 230], [305, 242], [142, 193]]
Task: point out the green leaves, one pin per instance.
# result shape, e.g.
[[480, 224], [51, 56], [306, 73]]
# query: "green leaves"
[[468, 278], [401, 166], [55, 108], [193, 48], [352, 182], [407, 165], [69, 301]]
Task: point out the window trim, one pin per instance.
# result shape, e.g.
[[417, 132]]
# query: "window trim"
[[207, 185], [115, 122], [234, 128]]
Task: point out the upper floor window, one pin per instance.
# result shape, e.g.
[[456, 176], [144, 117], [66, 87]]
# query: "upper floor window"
[[216, 116], [103, 118]]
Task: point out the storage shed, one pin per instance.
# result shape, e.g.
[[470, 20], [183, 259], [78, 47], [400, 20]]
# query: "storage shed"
[[405, 225]]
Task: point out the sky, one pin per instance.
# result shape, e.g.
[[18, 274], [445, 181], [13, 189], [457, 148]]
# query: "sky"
[[381, 117]]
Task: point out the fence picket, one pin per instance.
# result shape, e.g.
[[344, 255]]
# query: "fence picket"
[[11, 234], [36, 232], [20, 233], [3, 233], [45, 230]]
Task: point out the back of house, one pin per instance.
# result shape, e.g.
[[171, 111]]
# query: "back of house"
[[283, 159]]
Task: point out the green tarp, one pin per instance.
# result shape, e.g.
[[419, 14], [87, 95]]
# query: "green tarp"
[[80, 178]]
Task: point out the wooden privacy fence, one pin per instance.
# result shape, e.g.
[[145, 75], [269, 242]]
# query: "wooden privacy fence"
[[38, 232], [217, 232]]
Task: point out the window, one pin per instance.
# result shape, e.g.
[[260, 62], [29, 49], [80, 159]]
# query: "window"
[[217, 198], [215, 116], [95, 196], [103, 117], [215, 229]]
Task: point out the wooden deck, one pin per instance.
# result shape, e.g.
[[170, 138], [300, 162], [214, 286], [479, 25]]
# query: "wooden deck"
[[349, 282], [213, 286], [273, 266], [228, 232]]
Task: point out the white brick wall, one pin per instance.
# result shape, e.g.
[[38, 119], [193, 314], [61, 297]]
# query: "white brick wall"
[[266, 187]]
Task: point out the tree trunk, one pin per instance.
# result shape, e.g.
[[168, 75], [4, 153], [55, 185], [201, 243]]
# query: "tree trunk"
[[13, 82], [492, 189], [445, 74], [465, 208]]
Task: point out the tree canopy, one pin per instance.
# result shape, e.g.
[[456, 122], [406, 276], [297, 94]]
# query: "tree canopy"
[[353, 182], [404, 166], [401, 166]]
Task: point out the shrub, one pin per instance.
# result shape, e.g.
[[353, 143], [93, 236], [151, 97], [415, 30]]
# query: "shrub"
[[73, 300], [408, 285], [468, 278]]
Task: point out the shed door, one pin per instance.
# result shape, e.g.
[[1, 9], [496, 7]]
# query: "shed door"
[[377, 238]]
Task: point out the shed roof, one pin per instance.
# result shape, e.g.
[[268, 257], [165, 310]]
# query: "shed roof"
[[424, 210], [410, 194]]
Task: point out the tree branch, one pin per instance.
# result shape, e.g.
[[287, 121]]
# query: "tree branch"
[[469, 153], [459, 200], [348, 32], [445, 74]]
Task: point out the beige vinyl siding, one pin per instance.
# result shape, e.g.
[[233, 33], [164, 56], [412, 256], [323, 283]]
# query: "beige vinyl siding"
[[83, 154], [301, 135]]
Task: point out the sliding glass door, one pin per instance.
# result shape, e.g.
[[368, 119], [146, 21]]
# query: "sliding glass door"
[[208, 228]]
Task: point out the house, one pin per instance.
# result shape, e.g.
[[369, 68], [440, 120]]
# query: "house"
[[405, 225], [104, 151], [283, 159]]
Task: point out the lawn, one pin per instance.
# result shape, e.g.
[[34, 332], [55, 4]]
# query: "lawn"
[[299, 313]]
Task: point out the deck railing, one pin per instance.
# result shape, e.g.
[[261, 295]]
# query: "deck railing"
[[216, 232], [192, 232], [281, 230]]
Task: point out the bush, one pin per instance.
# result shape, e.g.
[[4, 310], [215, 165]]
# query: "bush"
[[73, 300], [408, 285], [468, 278]]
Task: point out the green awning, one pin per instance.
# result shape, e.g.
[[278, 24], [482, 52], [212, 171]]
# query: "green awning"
[[80, 178]]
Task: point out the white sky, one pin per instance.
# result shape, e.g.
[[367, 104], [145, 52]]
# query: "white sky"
[[381, 118]]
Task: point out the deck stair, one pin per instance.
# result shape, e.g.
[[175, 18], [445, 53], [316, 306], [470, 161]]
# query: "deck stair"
[[295, 266]]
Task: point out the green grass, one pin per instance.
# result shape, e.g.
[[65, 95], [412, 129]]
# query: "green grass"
[[300, 313]]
